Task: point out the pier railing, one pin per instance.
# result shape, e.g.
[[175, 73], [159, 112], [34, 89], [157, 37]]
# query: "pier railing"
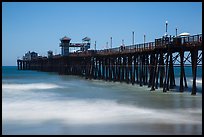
[[128, 49], [192, 39], [159, 43]]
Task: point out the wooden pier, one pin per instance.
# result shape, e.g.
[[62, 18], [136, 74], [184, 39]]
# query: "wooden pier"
[[150, 64]]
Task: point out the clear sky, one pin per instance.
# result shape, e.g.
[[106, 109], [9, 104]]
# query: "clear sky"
[[38, 26]]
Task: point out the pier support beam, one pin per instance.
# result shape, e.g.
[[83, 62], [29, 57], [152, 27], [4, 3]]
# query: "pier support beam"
[[146, 68], [103, 68], [129, 69], [171, 73], [109, 69], [21, 67], [194, 54], [140, 69], [154, 72], [182, 72], [158, 72], [115, 68], [166, 73], [162, 69], [123, 69], [151, 69], [119, 68], [99, 68], [18, 64], [133, 70], [106, 66], [136, 69]]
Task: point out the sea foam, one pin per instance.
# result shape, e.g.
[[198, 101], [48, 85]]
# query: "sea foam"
[[75, 111], [29, 86], [198, 81]]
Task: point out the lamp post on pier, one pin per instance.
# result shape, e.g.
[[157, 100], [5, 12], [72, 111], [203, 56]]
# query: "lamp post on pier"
[[176, 31], [166, 28], [111, 42], [133, 38], [144, 40], [95, 45], [107, 45]]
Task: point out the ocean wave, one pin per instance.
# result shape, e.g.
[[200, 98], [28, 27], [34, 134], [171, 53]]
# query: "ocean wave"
[[29, 86], [190, 81], [197, 81], [75, 111]]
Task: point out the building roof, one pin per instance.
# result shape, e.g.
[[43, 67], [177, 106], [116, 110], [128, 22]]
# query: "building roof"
[[65, 38], [50, 51], [184, 34], [86, 39], [33, 52]]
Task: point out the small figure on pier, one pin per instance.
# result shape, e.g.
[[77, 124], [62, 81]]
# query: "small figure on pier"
[[122, 47]]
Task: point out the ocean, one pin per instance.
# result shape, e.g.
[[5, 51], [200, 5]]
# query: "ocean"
[[37, 103]]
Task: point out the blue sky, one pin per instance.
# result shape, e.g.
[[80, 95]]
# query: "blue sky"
[[28, 26]]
